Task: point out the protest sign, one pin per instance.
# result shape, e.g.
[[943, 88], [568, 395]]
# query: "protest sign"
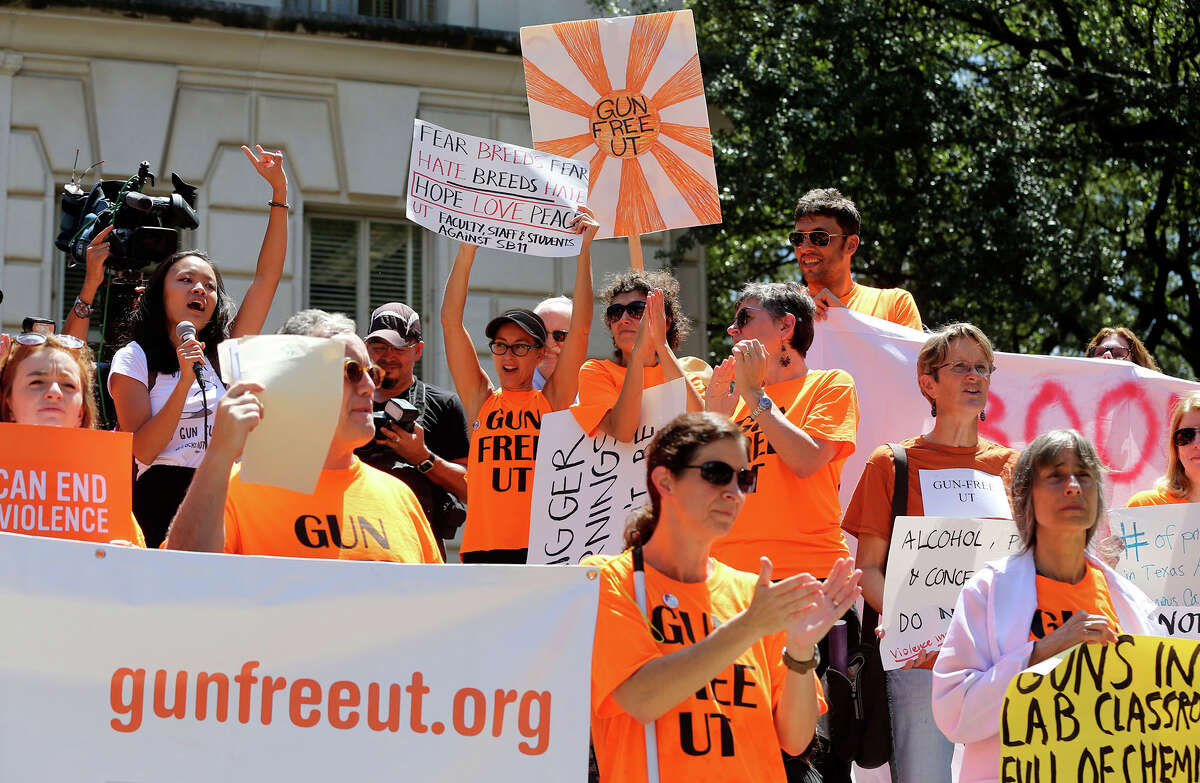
[[1162, 557], [1127, 711], [66, 482], [585, 487], [152, 666], [626, 95], [929, 561], [302, 402], [1122, 408], [492, 194]]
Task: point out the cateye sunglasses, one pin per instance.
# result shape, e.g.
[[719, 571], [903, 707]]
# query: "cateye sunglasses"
[[719, 474]]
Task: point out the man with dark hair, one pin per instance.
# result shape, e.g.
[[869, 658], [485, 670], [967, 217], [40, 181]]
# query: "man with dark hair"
[[825, 239], [428, 454]]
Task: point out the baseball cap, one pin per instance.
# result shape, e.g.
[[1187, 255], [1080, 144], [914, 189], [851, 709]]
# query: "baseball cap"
[[528, 320], [397, 323]]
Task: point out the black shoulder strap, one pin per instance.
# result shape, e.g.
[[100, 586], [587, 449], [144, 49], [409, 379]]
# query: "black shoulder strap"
[[420, 394], [899, 509]]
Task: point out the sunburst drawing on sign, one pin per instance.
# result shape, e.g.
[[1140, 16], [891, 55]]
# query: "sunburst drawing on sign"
[[626, 95]]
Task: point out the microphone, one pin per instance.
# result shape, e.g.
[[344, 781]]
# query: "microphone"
[[186, 330]]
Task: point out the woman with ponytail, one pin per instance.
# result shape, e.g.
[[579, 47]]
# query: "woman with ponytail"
[[722, 662]]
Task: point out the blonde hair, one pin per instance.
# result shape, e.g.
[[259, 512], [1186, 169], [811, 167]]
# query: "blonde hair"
[[83, 360], [937, 347], [1176, 481]]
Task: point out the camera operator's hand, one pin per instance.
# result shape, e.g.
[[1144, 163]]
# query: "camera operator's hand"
[[97, 255], [270, 166], [238, 413], [5, 344], [189, 353], [410, 448]]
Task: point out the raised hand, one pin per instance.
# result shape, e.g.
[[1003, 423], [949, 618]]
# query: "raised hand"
[[238, 413], [750, 369], [585, 223], [778, 605], [656, 315], [270, 166], [824, 300], [720, 397], [189, 353], [97, 254], [837, 595]]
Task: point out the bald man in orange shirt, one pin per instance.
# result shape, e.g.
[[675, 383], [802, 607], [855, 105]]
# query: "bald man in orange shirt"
[[825, 239]]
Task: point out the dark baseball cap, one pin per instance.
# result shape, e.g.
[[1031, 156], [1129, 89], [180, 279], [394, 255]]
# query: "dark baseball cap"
[[529, 321], [397, 323]]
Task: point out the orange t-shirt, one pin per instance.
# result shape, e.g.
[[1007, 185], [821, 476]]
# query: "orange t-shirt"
[[1057, 601], [890, 304], [870, 509], [358, 513], [504, 439], [1159, 496], [723, 732], [600, 380], [794, 520]]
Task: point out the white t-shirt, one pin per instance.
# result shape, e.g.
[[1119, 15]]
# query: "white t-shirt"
[[187, 444]]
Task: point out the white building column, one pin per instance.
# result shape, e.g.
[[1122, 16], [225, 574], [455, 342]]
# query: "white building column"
[[10, 63]]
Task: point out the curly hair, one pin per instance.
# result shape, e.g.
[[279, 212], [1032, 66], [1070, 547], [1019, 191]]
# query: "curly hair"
[[1138, 353], [148, 324], [673, 447], [645, 282]]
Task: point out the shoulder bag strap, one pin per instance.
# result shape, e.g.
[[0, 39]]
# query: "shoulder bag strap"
[[899, 509]]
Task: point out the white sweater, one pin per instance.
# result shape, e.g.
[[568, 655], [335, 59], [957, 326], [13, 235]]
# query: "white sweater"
[[988, 644]]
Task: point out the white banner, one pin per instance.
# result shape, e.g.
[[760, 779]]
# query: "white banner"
[[1162, 557], [929, 561], [140, 666], [1122, 408], [492, 194], [586, 487]]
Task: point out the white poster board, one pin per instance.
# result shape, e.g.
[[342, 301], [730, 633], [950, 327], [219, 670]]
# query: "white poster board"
[[492, 194], [585, 487], [133, 665], [1162, 557], [929, 561], [1122, 408], [625, 95]]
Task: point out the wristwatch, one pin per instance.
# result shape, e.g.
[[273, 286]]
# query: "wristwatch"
[[802, 667], [427, 465], [764, 405], [82, 309]]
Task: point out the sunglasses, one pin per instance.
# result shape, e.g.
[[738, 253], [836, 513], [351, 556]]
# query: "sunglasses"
[[719, 474], [1116, 351], [517, 349], [744, 315], [559, 335], [356, 369], [962, 368], [37, 338], [1184, 435], [615, 312], [817, 238]]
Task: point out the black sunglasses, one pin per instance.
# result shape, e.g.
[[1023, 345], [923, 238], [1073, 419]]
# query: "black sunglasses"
[[615, 312], [719, 474], [818, 238], [559, 335], [355, 370], [1184, 435], [1116, 351], [744, 315]]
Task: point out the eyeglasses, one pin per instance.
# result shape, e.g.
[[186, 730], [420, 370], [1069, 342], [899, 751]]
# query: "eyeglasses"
[[559, 335], [517, 349], [355, 370], [719, 474], [383, 345], [68, 341], [1116, 351], [962, 368], [817, 238], [1184, 435], [744, 315], [615, 312]]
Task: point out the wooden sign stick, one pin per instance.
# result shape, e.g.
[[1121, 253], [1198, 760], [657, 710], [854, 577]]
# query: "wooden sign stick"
[[635, 253]]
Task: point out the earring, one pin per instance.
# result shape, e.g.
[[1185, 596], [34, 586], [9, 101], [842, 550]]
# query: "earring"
[[933, 409], [983, 415], [784, 359]]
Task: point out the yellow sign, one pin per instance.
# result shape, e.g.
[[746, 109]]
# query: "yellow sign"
[[1128, 711]]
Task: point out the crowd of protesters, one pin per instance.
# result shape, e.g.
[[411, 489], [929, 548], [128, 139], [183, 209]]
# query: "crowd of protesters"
[[744, 531]]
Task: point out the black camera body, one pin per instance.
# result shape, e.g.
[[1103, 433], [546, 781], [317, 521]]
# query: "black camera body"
[[145, 228], [402, 413]]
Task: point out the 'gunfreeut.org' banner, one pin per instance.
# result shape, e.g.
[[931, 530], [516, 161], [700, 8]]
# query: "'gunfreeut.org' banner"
[[134, 665]]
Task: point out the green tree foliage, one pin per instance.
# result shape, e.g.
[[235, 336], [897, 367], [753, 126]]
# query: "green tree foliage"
[[1028, 166]]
